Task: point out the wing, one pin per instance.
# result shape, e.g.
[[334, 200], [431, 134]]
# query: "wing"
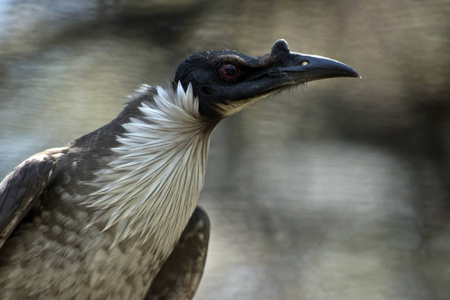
[[23, 186], [180, 275]]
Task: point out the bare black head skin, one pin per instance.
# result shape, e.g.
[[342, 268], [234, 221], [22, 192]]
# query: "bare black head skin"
[[225, 81]]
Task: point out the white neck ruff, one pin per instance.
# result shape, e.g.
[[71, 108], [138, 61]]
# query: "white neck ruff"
[[152, 186]]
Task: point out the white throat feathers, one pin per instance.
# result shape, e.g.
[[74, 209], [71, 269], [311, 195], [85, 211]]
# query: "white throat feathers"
[[152, 186]]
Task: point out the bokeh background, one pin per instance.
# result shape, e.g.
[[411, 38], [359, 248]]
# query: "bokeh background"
[[336, 190]]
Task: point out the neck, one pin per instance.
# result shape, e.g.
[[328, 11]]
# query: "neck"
[[154, 181]]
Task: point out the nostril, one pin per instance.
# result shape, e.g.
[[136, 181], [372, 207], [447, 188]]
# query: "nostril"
[[304, 63]]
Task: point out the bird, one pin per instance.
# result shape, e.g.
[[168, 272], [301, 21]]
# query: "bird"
[[114, 214]]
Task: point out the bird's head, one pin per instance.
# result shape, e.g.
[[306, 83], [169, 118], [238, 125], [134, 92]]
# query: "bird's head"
[[226, 81]]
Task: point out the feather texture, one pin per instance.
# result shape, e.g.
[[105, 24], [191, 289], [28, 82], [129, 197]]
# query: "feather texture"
[[152, 186]]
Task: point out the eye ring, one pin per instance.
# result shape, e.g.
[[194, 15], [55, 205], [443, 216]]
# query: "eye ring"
[[229, 72]]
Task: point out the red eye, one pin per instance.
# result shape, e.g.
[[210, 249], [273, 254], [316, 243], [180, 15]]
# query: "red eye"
[[229, 72]]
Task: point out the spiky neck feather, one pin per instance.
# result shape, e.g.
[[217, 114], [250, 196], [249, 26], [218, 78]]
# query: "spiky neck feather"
[[152, 185]]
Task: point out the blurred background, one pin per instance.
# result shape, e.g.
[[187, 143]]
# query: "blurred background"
[[336, 190]]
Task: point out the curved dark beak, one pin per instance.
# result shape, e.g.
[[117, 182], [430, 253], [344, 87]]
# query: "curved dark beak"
[[297, 68], [312, 67]]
